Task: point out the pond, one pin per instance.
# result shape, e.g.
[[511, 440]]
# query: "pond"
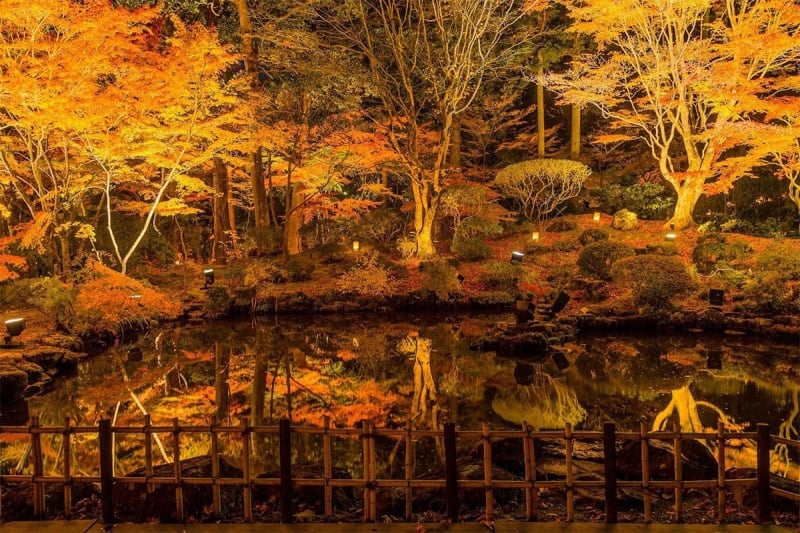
[[392, 368]]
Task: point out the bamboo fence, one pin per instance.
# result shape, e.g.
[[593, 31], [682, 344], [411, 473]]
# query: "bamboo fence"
[[406, 437]]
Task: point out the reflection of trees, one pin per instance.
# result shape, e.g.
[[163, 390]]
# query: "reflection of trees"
[[743, 453], [787, 429], [545, 403]]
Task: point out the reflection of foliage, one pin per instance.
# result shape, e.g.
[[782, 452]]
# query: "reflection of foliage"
[[547, 403]]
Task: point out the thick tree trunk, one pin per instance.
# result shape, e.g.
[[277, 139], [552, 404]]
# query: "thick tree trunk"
[[425, 246], [575, 133], [688, 194], [222, 224]]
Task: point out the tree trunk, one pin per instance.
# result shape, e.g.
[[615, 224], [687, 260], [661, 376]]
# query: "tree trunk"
[[260, 209], [425, 246], [250, 54], [454, 156], [292, 242], [540, 109], [575, 133], [222, 223], [688, 194], [66, 259]]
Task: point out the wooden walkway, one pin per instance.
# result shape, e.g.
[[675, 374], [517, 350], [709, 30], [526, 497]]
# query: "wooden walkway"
[[90, 526]]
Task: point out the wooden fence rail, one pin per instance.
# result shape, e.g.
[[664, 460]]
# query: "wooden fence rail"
[[369, 483]]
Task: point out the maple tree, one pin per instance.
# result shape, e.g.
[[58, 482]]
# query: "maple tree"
[[427, 62], [695, 80], [111, 103]]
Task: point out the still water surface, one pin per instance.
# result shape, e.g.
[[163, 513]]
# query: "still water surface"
[[392, 368]]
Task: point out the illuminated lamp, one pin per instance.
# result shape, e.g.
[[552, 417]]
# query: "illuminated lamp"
[[356, 246], [535, 236], [209, 277], [135, 296], [671, 235], [516, 257], [14, 327], [596, 216]]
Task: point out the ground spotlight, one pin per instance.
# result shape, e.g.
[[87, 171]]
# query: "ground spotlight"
[[14, 327], [671, 235], [560, 360], [209, 277], [559, 303], [516, 257]]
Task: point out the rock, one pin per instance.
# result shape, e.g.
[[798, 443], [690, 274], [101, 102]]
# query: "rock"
[[67, 342], [712, 320], [13, 382], [625, 220]]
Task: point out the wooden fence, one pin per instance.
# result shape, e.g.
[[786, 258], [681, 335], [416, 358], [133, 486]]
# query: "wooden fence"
[[369, 483]]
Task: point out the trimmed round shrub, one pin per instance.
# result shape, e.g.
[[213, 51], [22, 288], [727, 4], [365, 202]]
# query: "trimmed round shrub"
[[598, 257], [655, 279], [561, 225], [469, 239], [663, 248], [592, 235]]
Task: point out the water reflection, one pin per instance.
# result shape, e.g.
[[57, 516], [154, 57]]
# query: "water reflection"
[[419, 369]]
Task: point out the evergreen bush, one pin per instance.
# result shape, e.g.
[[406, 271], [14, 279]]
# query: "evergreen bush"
[[592, 235], [441, 278]]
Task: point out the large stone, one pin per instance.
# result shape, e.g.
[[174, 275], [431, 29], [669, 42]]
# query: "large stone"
[[625, 220], [13, 381]]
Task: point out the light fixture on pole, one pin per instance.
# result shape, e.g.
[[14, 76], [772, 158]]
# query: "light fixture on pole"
[[596, 216], [535, 236], [356, 246]]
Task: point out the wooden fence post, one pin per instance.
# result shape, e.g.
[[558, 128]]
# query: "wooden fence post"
[[285, 453], [610, 469], [762, 471], [38, 468], [451, 471], [105, 436]]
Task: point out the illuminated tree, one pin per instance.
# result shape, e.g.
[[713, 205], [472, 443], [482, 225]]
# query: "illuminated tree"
[[694, 79], [100, 102], [427, 62]]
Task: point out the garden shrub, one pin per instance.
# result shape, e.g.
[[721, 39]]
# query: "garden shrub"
[[655, 279], [714, 252], [541, 186], [592, 235], [781, 259], [381, 225], [650, 201], [500, 275], [598, 257], [367, 277], [219, 300], [470, 248], [441, 278], [55, 299], [769, 293], [407, 247], [300, 268], [479, 227]]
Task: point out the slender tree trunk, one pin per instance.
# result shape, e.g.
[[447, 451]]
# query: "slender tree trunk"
[[540, 108], [222, 223], [251, 69], [66, 256], [575, 133], [454, 156], [294, 221]]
